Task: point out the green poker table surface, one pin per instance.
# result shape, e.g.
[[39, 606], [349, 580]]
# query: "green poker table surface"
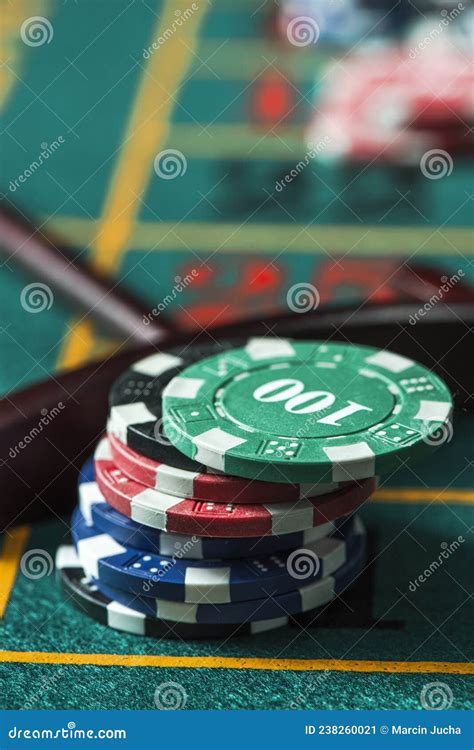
[[231, 102]]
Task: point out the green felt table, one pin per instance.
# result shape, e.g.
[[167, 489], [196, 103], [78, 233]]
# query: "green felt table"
[[204, 92]]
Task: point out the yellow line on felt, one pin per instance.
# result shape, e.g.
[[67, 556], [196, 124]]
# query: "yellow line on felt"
[[219, 662], [268, 238], [431, 495], [146, 133], [12, 49], [13, 545], [240, 140], [78, 345], [147, 129]]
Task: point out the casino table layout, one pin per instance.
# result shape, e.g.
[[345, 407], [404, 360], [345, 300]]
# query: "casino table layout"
[[231, 101]]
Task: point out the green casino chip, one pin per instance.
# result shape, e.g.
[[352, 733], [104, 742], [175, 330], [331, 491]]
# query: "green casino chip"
[[306, 411]]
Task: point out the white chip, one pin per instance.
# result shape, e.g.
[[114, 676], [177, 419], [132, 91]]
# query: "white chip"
[[89, 495], [176, 611], [94, 548], [433, 411], [150, 507], [175, 481], [126, 414], [289, 517], [331, 553], [66, 557], [317, 532], [157, 364], [267, 348], [103, 452], [123, 618], [390, 361], [186, 388], [212, 445], [355, 461], [317, 594], [212, 585]]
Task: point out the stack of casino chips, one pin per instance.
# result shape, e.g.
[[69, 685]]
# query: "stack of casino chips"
[[410, 104], [223, 499]]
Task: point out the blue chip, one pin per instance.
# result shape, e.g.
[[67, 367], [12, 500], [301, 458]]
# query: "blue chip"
[[304, 599], [129, 533], [85, 596], [217, 581]]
